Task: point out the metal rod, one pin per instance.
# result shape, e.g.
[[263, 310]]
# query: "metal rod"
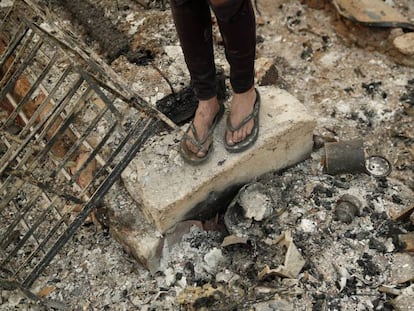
[[13, 153], [70, 153], [75, 131], [121, 145], [43, 243], [28, 234], [21, 32], [54, 115], [10, 194], [95, 62], [10, 81], [147, 130], [42, 106], [31, 91], [21, 213], [107, 102], [46, 187], [93, 155], [76, 109], [51, 120], [54, 118]]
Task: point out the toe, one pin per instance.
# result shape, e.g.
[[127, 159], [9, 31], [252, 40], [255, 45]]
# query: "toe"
[[201, 154], [249, 128], [229, 138], [243, 134], [239, 135], [191, 147]]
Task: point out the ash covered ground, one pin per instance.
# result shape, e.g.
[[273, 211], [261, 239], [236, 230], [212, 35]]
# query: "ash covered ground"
[[348, 78]]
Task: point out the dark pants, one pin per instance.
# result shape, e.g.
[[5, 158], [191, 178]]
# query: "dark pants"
[[237, 26]]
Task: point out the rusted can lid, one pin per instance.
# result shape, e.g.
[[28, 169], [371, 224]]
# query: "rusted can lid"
[[378, 166]]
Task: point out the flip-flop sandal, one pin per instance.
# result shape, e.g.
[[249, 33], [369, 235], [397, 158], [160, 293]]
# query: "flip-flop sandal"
[[204, 144], [252, 137]]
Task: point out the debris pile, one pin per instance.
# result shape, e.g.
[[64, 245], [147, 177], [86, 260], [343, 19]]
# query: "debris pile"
[[298, 239]]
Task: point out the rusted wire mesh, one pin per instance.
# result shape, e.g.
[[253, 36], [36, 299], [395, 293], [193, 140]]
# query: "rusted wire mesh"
[[66, 135]]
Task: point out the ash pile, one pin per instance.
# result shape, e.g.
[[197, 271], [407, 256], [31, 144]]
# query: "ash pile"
[[298, 239]]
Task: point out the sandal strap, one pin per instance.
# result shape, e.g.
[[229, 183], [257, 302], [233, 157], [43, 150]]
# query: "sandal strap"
[[249, 117], [195, 140]]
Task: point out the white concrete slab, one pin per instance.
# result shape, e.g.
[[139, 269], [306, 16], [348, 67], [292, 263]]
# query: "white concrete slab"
[[131, 229], [167, 188]]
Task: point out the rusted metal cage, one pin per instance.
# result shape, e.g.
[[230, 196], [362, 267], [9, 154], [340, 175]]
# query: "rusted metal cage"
[[68, 128]]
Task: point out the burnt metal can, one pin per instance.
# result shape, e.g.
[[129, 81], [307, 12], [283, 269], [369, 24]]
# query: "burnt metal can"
[[378, 166], [344, 157], [348, 206]]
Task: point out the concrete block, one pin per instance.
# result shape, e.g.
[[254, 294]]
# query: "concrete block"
[[131, 229], [167, 189]]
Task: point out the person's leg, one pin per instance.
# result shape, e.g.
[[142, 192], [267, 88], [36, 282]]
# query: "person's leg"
[[237, 25], [192, 20]]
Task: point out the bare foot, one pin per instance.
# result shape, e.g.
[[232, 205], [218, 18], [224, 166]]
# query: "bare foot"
[[241, 106], [203, 119]]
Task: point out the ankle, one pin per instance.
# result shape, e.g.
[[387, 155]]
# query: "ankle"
[[211, 102], [249, 91], [208, 107]]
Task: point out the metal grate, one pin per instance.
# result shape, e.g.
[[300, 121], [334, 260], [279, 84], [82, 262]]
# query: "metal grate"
[[66, 136]]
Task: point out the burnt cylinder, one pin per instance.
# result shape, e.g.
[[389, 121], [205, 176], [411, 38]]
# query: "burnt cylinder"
[[345, 157]]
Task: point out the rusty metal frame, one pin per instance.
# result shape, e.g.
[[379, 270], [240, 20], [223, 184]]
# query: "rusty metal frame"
[[40, 189]]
